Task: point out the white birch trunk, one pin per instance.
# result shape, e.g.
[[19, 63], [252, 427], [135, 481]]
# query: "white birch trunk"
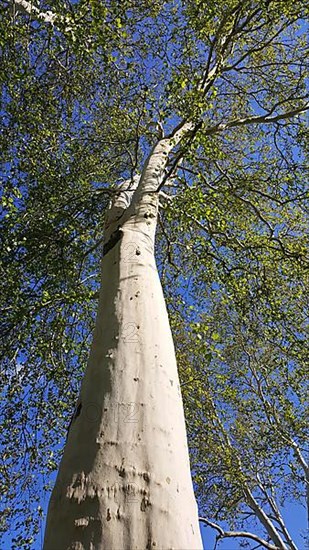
[[124, 482]]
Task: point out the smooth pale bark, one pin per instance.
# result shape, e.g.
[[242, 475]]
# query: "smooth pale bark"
[[124, 481]]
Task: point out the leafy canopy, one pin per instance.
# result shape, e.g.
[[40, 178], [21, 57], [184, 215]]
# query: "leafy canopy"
[[84, 86]]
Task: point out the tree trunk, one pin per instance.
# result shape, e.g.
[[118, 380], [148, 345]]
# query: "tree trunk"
[[124, 482]]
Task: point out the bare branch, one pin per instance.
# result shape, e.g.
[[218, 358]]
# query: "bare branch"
[[261, 119], [264, 519], [256, 49], [242, 534]]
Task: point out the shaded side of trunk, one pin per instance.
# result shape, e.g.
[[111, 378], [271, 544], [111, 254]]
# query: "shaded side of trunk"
[[124, 481]]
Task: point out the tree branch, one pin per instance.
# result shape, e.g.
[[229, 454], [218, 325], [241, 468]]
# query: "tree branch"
[[242, 534], [263, 119], [191, 131], [264, 519], [33, 11]]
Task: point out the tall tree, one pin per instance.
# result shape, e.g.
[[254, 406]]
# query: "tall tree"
[[212, 95]]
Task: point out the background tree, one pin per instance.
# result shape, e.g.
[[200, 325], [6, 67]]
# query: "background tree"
[[79, 95]]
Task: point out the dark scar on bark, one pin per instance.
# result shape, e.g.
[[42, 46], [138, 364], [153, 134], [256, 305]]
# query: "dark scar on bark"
[[75, 415], [114, 238], [77, 411]]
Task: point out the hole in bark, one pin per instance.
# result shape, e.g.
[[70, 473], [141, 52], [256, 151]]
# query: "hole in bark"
[[148, 215], [108, 515], [137, 252]]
